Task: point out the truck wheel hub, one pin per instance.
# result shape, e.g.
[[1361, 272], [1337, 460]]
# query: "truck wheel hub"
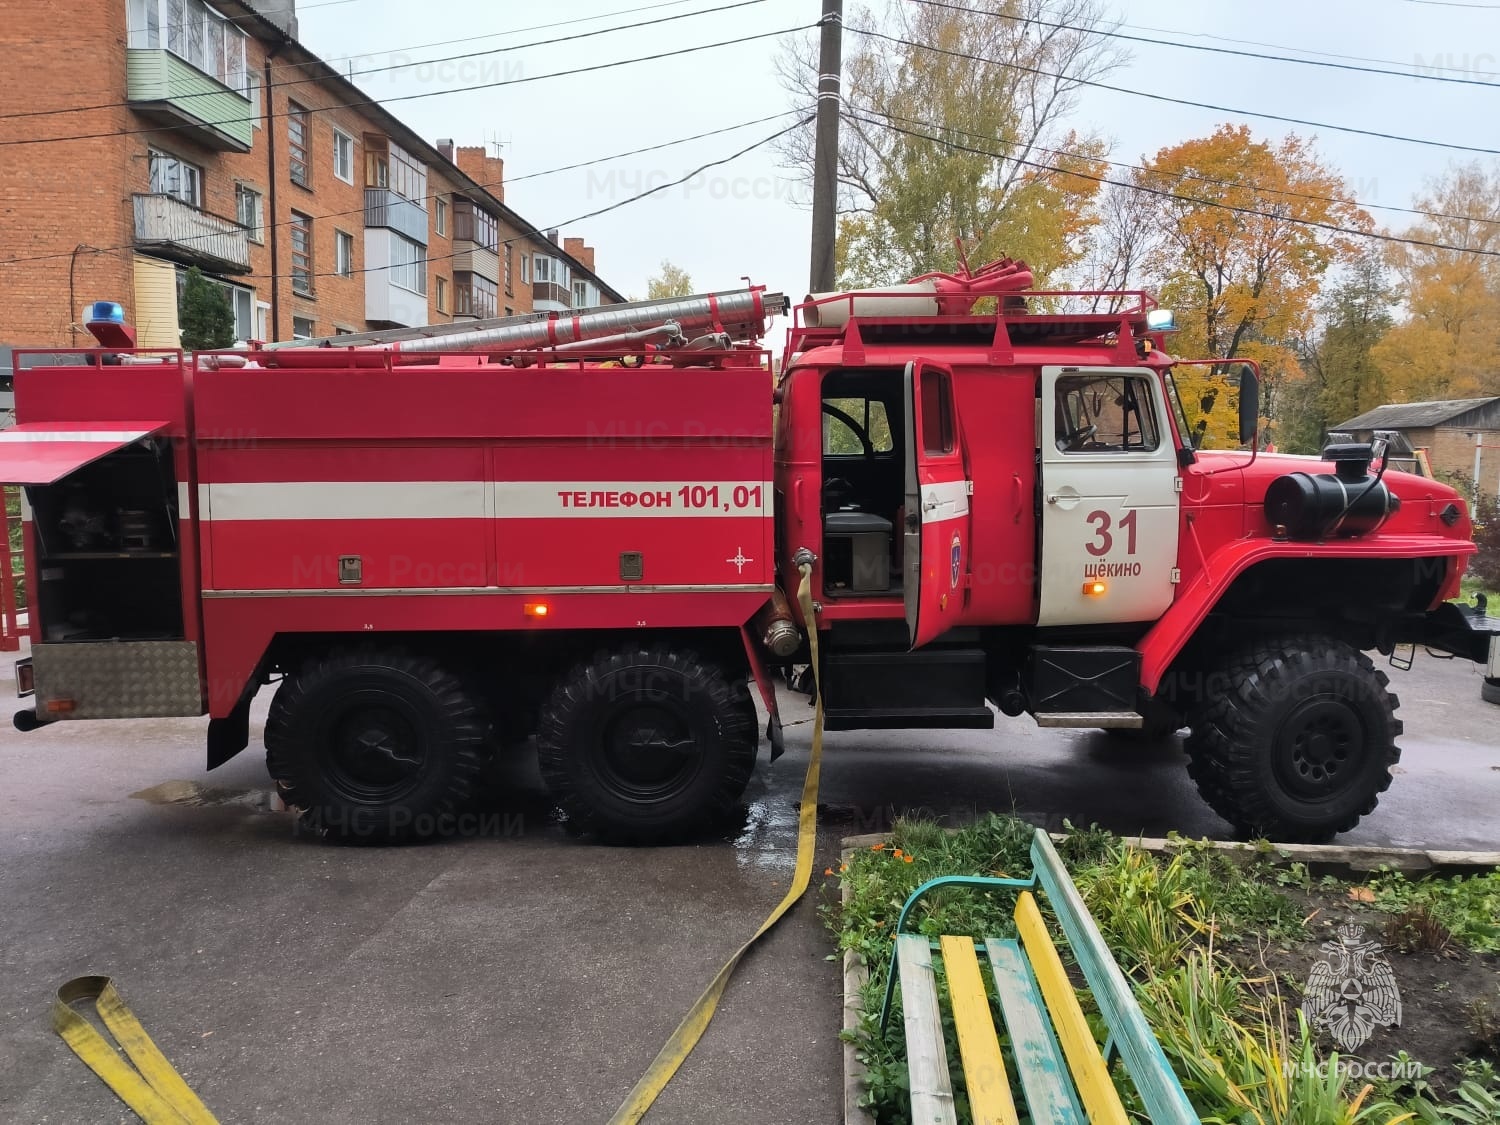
[[375, 749], [647, 753], [1321, 744]]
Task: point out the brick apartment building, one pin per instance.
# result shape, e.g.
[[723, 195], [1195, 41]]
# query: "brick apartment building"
[[172, 133]]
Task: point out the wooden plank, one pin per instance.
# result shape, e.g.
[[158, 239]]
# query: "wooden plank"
[[984, 1075], [1039, 1064], [1090, 1072], [926, 1055], [1154, 1079]]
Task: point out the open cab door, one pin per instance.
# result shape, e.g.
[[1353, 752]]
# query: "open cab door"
[[936, 551]]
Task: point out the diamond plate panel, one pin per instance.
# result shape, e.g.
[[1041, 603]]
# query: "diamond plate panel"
[[119, 679]]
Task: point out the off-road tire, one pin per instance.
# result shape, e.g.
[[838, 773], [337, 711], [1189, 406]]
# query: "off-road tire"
[[647, 745], [1489, 691], [1299, 744], [375, 745]]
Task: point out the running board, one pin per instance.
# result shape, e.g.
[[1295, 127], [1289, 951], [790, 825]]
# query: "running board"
[[1097, 720]]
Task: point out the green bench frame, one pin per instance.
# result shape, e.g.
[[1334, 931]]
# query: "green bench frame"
[[1061, 1070]]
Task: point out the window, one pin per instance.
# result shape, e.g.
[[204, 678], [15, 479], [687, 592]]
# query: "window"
[[509, 311], [243, 301], [1105, 414], [252, 91], [849, 422], [442, 294], [340, 330], [171, 175], [302, 253], [343, 156], [343, 253], [388, 165], [474, 296], [262, 320], [937, 412], [298, 133], [585, 295], [541, 270], [470, 224], [303, 328], [525, 269], [408, 264], [440, 215], [247, 209], [194, 33], [509, 264]]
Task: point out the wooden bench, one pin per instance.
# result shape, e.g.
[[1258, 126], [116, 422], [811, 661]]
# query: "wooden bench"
[[1062, 1072]]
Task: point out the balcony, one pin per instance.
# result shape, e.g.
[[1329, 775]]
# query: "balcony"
[[384, 208], [171, 228], [469, 257], [174, 93], [388, 304], [546, 297]]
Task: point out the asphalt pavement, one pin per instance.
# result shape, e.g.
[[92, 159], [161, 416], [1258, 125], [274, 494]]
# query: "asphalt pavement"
[[522, 975]]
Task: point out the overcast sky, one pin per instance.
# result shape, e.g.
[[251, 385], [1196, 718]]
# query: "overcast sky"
[[747, 217]]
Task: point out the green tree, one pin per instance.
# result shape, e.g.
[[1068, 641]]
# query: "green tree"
[[205, 314], [673, 281], [936, 146], [1343, 376]]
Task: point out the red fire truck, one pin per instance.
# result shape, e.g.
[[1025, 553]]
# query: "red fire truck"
[[585, 529]]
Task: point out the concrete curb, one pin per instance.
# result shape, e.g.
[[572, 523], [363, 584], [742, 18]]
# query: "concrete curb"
[[856, 973], [1327, 858]]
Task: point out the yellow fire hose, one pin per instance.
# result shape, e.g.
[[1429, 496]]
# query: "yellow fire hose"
[[151, 1086], [682, 1041]]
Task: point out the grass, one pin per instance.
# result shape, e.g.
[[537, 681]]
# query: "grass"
[[1244, 1054]]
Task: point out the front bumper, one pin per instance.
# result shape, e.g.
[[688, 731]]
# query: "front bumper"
[[1462, 631]]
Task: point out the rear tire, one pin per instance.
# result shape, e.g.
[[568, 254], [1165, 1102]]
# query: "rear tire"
[[375, 745], [1300, 743], [645, 746]]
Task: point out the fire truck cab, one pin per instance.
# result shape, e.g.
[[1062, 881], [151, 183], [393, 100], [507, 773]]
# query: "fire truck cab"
[[587, 532]]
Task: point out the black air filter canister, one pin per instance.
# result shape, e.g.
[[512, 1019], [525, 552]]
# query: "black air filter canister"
[[1324, 505]]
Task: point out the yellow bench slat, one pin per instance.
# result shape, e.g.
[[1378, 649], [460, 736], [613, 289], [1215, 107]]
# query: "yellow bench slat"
[[1090, 1072], [984, 1074]]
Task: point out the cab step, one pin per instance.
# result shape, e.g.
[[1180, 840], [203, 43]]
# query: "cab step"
[[1093, 720]]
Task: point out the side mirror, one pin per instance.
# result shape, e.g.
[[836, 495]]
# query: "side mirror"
[[1249, 403]]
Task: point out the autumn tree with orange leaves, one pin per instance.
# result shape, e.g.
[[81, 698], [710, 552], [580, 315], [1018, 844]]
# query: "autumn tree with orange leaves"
[[1448, 344], [1240, 250]]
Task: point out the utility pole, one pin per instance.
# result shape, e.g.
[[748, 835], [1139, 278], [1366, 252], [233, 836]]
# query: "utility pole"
[[826, 153]]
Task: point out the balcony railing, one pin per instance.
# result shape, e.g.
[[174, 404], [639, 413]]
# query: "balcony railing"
[[548, 294], [384, 208], [167, 226], [182, 97]]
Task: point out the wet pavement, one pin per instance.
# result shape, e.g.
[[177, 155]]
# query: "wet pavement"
[[521, 975]]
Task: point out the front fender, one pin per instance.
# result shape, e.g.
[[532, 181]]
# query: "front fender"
[[1197, 598]]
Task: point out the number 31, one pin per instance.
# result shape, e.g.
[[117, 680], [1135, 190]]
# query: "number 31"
[[1103, 540]]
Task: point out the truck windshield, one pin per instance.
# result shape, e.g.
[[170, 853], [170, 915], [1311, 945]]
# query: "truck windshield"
[[1184, 432]]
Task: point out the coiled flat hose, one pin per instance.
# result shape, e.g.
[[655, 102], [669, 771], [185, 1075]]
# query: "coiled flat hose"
[[151, 1086], [682, 1041]]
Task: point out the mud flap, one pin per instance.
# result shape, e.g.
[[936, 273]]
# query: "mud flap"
[[767, 691]]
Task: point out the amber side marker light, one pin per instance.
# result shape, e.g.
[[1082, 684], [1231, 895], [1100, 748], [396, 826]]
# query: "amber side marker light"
[[536, 609], [61, 706], [1094, 589]]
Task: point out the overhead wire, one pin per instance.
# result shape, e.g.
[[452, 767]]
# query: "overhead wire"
[[1095, 84], [1116, 34], [277, 223], [1166, 194], [398, 66]]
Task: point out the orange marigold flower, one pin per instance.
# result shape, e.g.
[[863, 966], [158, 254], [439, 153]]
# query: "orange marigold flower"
[[877, 847], [827, 871], [843, 867], [897, 853], [908, 858]]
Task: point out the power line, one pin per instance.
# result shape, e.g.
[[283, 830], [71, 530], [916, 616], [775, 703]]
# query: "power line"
[[397, 66], [1165, 194], [450, 90], [1198, 176], [277, 223], [1167, 98], [1204, 47], [535, 231]]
